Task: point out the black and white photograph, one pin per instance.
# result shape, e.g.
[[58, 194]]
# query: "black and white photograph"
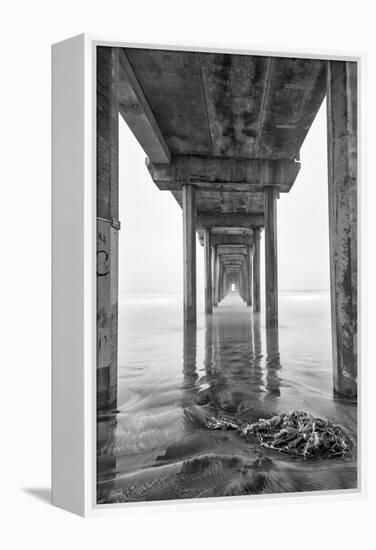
[[227, 274], [188, 275]]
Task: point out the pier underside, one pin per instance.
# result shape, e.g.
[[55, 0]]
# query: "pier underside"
[[222, 133]]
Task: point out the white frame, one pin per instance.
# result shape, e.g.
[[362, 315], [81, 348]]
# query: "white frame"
[[74, 284]]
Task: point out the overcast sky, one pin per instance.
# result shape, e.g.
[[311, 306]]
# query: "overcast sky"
[[150, 241]]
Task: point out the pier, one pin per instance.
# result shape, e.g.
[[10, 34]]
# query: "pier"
[[222, 133]]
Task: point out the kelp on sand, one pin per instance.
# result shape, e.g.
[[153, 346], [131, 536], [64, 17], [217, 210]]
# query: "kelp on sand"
[[296, 432]]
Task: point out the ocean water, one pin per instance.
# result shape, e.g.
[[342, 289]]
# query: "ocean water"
[[151, 449]]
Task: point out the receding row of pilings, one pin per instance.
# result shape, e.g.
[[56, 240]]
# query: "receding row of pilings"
[[342, 185], [236, 264], [342, 180], [232, 266]]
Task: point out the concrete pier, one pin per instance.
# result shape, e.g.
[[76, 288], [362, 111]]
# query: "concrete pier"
[[208, 272], [189, 253], [342, 175], [271, 266], [226, 160], [245, 280], [256, 271], [107, 225], [215, 275], [189, 358], [250, 275]]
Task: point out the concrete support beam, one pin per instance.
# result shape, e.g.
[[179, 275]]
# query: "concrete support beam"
[[215, 275], [238, 240], [233, 264], [218, 266], [225, 284], [218, 292], [256, 271], [224, 174], [232, 249], [244, 282], [107, 225], [221, 283], [235, 257], [189, 253], [137, 113], [189, 362], [225, 219], [249, 276], [208, 272], [239, 258], [243, 275], [271, 266], [342, 173], [228, 235], [232, 231]]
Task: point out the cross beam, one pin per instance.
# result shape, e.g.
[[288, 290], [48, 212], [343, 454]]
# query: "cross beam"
[[224, 174], [229, 219]]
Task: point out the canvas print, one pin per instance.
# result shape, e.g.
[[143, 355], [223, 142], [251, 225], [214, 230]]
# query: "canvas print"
[[226, 274]]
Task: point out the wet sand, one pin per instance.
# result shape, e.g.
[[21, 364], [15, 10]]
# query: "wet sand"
[[154, 448]]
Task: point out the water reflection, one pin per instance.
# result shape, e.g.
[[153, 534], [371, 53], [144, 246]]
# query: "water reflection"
[[154, 450], [237, 375]]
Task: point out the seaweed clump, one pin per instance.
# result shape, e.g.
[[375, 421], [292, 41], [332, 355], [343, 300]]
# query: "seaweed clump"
[[301, 433], [297, 432]]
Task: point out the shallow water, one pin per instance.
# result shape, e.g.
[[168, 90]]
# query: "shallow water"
[[152, 450]]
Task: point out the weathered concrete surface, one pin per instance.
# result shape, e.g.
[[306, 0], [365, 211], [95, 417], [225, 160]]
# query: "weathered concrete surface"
[[215, 274], [245, 278], [228, 235], [342, 173], [223, 239], [107, 225], [189, 253], [247, 205], [232, 231], [232, 249], [250, 275], [232, 258], [172, 83], [227, 105], [220, 278], [232, 268], [219, 219], [271, 262], [224, 174], [136, 112], [232, 126], [208, 272], [256, 271], [189, 361]]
